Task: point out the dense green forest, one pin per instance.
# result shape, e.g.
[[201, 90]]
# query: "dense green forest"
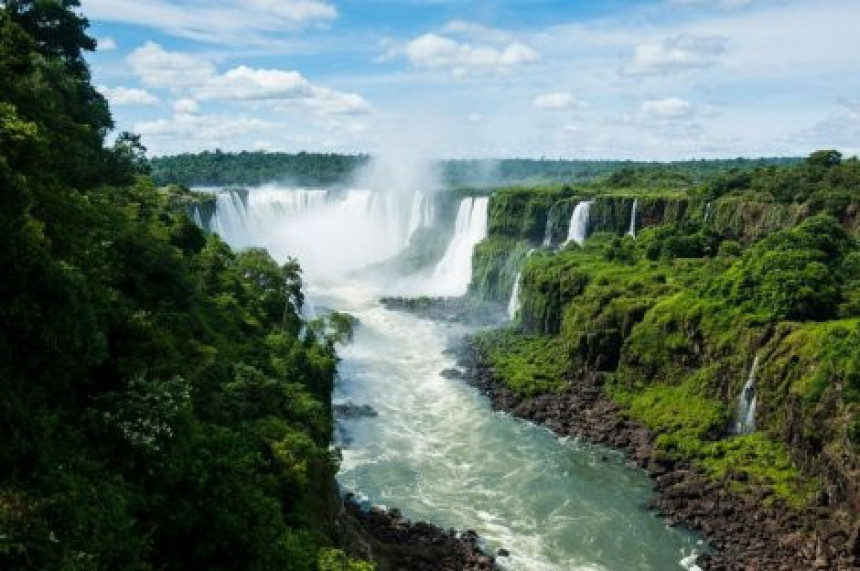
[[312, 169], [162, 403], [254, 168], [751, 265]]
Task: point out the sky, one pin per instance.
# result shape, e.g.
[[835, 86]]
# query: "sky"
[[634, 79]]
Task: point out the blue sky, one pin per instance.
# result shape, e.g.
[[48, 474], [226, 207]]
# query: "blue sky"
[[656, 79]]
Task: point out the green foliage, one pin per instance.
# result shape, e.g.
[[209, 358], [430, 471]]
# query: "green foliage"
[[336, 560], [253, 168], [529, 365], [161, 408], [793, 274]]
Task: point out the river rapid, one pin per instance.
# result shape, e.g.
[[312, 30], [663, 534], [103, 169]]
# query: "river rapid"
[[436, 450]]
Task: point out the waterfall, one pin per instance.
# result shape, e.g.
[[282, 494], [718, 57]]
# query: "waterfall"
[[514, 303], [454, 272], [421, 214], [578, 231], [330, 232], [632, 231], [707, 211], [745, 419]]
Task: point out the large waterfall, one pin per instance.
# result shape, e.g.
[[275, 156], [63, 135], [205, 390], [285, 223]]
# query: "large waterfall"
[[745, 415], [330, 232], [578, 231], [632, 231], [453, 273]]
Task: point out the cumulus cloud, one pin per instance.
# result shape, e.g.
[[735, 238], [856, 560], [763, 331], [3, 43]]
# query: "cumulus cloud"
[[670, 108], [158, 67], [127, 96], [435, 51], [557, 101], [249, 84], [246, 83], [678, 53]]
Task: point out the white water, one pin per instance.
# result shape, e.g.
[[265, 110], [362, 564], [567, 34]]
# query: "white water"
[[421, 215], [707, 211], [745, 415], [578, 230], [632, 231], [514, 303], [436, 450], [453, 273]]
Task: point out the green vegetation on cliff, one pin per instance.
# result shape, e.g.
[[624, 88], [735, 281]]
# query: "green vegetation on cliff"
[[754, 265], [161, 407]]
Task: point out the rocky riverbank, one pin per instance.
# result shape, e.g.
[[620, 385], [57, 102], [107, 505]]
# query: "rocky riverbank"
[[749, 530], [394, 543]]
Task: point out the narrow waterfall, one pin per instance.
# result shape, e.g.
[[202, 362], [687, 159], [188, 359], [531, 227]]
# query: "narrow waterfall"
[[514, 303], [414, 215], [707, 212], [632, 231], [547, 234], [578, 231], [745, 419], [453, 273]]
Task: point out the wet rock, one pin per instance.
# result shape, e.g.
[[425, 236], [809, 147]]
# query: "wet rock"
[[452, 374], [752, 531], [352, 410]]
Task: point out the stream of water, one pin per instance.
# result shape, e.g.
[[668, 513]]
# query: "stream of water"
[[436, 450]]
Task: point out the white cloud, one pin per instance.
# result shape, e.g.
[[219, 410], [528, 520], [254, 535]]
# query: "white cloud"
[[127, 96], [435, 51], [245, 83], [209, 129], [477, 32], [678, 53], [158, 67], [185, 106], [557, 101], [223, 21], [106, 44], [298, 11], [280, 87], [841, 129], [670, 108]]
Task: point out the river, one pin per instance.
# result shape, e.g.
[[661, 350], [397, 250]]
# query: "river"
[[436, 450]]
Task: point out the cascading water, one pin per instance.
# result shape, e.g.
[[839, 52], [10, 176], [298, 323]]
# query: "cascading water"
[[421, 214], [436, 450], [578, 231], [453, 273], [632, 231], [514, 303], [707, 212], [745, 415]]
